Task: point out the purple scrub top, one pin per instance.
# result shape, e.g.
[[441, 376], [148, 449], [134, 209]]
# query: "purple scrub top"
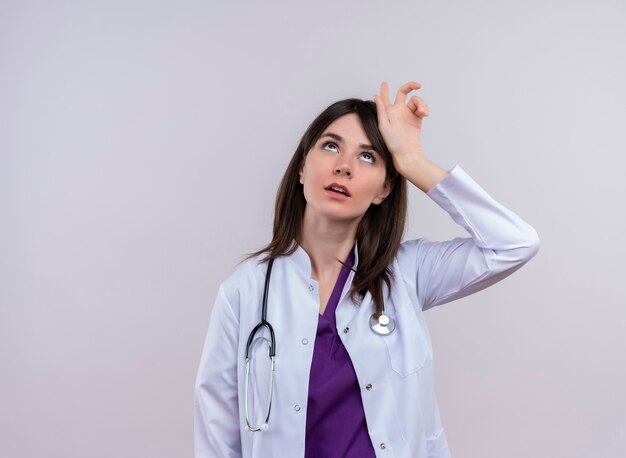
[[335, 420]]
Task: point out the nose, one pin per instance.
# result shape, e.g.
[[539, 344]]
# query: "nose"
[[342, 170]]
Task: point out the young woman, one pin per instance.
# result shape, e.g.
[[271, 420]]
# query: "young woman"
[[341, 363]]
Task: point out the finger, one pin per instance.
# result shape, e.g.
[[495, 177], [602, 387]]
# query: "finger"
[[418, 106], [383, 120], [384, 93], [405, 89]]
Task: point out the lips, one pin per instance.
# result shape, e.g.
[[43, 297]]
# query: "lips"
[[338, 188]]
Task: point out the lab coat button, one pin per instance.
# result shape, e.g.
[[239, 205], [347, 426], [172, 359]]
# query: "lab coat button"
[[305, 341], [311, 288], [296, 408], [382, 446], [368, 387], [345, 330]]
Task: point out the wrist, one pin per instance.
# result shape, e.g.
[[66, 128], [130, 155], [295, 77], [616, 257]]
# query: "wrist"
[[421, 171], [410, 160]]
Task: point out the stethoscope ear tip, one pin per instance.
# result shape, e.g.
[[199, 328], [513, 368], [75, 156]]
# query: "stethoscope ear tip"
[[263, 427]]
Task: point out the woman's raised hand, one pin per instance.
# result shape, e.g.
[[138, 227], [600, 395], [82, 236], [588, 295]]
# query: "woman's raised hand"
[[400, 123]]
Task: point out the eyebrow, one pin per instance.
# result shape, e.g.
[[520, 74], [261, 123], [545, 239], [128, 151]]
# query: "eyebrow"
[[339, 139]]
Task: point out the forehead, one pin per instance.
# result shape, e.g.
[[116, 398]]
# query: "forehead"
[[349, 127]]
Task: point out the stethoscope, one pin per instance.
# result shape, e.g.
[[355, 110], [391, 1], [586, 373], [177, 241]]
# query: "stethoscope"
[[381, 324]]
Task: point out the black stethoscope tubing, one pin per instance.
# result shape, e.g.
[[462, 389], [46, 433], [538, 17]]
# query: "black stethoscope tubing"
[[264, 323]]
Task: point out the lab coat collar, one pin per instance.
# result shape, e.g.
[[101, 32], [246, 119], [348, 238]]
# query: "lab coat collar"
[[303, 262]]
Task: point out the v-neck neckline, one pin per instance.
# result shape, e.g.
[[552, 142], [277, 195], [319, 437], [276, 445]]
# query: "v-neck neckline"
[[333, 299]]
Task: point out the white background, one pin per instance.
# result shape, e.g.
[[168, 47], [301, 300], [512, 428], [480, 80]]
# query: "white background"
[[141, 145]]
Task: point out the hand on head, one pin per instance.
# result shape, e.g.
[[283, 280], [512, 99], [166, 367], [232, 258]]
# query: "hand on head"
[[400, 123]]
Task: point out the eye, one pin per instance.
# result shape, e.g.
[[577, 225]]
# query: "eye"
[[328, 144], [369, 157]]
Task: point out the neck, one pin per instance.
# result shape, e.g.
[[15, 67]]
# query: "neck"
[[326, 242]]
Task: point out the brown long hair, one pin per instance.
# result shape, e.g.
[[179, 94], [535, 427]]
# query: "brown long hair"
[[380, 231]]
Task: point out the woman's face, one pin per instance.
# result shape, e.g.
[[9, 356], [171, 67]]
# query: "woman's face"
[[342, 156]]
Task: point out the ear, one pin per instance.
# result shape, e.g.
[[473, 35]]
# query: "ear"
[[301, 172], [387, 188]]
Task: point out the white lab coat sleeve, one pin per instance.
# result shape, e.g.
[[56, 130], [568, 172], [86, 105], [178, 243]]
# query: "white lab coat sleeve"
[[500, 243], [216, 417]]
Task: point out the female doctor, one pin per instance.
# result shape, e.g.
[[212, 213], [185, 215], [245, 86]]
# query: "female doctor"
[[328, 354]]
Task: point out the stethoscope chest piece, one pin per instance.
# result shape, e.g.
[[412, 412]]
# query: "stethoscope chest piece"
[[382, 324]]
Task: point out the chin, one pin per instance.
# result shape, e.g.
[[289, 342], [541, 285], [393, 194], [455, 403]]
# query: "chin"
[[334, 212], [342, 216]]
